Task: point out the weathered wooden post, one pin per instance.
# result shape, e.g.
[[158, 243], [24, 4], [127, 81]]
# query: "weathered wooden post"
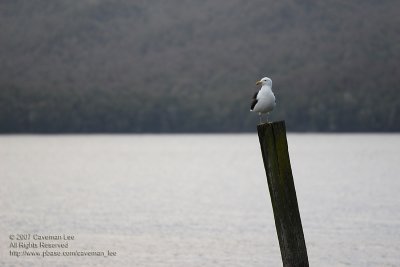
[[275, 155]]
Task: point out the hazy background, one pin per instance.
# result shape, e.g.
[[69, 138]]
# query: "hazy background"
[[199, 200], [191, 66]]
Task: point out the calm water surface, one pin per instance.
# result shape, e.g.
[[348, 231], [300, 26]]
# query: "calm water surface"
[[198, 200]]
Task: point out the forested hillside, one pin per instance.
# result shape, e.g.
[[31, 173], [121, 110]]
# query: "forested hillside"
[[191, 66]]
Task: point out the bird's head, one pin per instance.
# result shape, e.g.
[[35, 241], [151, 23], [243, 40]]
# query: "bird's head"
[[265, 81]]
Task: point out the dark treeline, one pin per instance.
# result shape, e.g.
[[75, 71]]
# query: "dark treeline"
[[191, 66]]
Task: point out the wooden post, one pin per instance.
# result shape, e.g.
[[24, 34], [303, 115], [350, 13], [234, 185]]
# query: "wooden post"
[[275, 155]]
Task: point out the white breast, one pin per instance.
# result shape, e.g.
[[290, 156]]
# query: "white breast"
[[265, 100]]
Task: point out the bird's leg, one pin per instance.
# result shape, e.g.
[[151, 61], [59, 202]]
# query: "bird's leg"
[[267, 117], [260, 114]]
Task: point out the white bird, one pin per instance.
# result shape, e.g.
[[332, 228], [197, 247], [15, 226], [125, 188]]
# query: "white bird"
[[264, 99]]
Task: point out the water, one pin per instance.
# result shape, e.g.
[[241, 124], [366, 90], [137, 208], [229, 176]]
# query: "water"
[[198, 200]]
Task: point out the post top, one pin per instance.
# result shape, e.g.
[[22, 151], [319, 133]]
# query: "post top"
[[271, 124]]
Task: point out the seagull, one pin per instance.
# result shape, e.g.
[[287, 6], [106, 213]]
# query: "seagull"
[[264, 99]]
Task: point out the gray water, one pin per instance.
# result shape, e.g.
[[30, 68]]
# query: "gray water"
[[198, 200]]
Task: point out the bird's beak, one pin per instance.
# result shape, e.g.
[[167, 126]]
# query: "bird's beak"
[[258, 83]]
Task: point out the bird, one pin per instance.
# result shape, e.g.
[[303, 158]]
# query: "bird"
[[263, 100]]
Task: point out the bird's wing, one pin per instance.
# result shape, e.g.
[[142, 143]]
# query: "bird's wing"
[[254, 102]]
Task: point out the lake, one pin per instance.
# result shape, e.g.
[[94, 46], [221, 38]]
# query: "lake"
[[194, 200]]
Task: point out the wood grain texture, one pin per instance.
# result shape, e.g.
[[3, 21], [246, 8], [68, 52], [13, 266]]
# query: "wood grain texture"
[[275, 155]]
